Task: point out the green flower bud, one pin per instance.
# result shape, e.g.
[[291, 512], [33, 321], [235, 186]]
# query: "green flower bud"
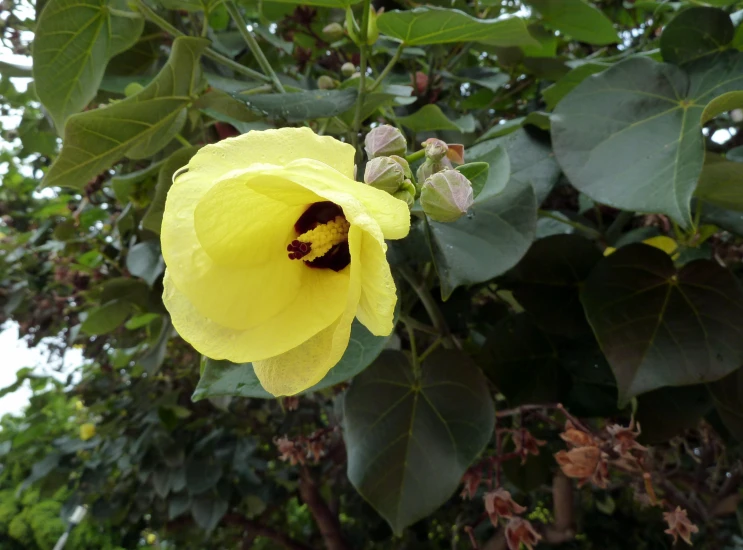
[[385, 140], [333, 31], [406, 193], [429, 168], [348, 69], [446, 196], [325, 83], [435, 149], [385, 174], [133, 88], [405, 166]]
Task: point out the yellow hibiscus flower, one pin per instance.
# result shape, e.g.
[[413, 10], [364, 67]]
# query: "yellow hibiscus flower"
[[272, 249]]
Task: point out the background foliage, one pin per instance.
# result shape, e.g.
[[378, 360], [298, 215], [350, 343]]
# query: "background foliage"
[[603, 124]]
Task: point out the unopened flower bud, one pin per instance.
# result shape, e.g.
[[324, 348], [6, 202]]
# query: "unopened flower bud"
[[430, 167], [385, 174], [405, 166], [446, 196], [406, 193], [385, 140], [435, 149], [133, 88], [348, 69], [325, 83], [333, 31]]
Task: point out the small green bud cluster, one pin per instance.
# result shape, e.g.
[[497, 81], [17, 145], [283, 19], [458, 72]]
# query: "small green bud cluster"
[[387, 170]]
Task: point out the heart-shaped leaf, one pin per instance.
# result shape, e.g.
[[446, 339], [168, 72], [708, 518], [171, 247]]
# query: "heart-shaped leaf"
[[694, 33], [659, 326], [138, 126], [74, 40], [410, 436], [631, 137], [431, 25]]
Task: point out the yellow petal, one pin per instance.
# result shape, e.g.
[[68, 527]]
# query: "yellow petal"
[[307, 364], [666, 244], [277, 147], [296, 324], [378, 297], [362, 204], [239, 296]]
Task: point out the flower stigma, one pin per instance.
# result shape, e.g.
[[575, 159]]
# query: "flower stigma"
[[323, 237]]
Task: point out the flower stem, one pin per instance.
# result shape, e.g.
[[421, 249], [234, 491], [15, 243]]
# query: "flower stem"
[[432, 308], [580, 227], [388, 68], [415, 156], [150, 14], [250, 40], [413, 351], [362, 71]]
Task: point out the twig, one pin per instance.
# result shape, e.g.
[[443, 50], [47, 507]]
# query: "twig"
[[437, 318], [250, 40], [388, 68], [328, 524], [366, 6], [471, 535]]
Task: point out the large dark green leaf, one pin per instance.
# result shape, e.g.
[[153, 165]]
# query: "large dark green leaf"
[[667, 412], [145, 261], [549, 280], [577, 19], [73, 42], [531, 159], [727, 395], [138, 126], [522, 362], [694, 33], [300, 106], [659, 326], [553, 94], [107, 317], [431, 25], [410, 437], [631, 136], [498, 173], [488, 241], [430, 118], [224, 378]]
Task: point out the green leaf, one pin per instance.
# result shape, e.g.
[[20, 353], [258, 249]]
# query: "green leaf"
[[202, 474], [221, 377], [503, 128], [410, 437], [153, 217], [153, 358], [531, 160], [548, 284], [476, 173], [721, 183], [488, 241], [499, 169], [553, 94], [694, 33], [107, 317], [322, 3], [578, 19], [727, 395], [145, 261], [138, 126], [428, 119], [659, 326], [487, 77], [631, 136], [74, 40], [433, 25], [522, 362], [208, 511], [665, 413], [299, 106]]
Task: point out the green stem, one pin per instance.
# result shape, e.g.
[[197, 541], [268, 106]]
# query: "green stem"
[[242, 27], [432, 308], [615, 228], [416, 156], [422, 357], [124, 13], [362, 72], [595, 234], [413, 350], [388, 68], [208, 52], [183, 141], [417, 325]]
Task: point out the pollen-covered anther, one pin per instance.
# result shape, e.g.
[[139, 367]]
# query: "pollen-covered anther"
[[318, 241]]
